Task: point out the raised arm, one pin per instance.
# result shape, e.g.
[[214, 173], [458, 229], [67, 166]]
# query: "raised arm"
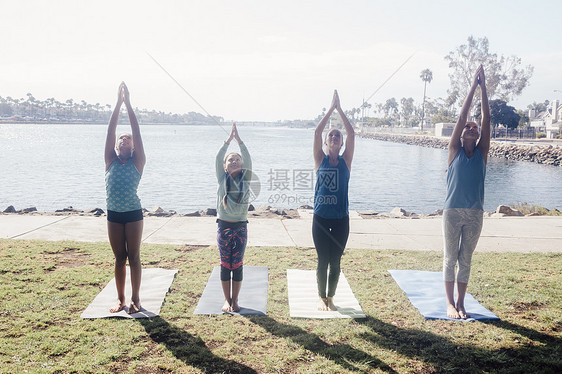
[[317, 151], [139, 157], [455, 141], [219, 160], [484, 143], [350, 135], [109, 153], [246, 159]]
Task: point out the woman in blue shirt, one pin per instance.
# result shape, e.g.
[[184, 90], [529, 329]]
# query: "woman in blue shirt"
[[124, 163], [330, 224], [463, 210]]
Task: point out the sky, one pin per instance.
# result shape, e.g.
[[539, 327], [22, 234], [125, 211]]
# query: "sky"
[[259, 60]]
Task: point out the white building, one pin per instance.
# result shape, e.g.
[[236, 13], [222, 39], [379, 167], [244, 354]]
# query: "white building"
[[444, 129], [549, 121]]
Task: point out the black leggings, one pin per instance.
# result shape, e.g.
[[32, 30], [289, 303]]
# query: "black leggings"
[[330, 237]]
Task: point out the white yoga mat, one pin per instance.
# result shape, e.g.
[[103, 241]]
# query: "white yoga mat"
[[155, 285], [252, 298], [303, 297]]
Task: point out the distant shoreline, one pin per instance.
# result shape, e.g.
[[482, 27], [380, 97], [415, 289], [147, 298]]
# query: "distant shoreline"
[[102, 123], [546, 154], [124, 122]]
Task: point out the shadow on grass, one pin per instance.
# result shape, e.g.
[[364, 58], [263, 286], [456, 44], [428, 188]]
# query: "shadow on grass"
[[341, 354], [525, 331], [445, 355], [188, 348]]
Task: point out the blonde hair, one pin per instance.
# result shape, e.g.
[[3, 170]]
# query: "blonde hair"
[[339, 132]]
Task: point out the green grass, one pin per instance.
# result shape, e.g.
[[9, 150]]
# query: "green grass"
[[44, 286]]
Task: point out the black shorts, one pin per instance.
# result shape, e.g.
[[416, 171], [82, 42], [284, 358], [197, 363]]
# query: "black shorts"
[[124, 217], [231, 225]]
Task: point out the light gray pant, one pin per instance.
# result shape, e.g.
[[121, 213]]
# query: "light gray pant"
[[461, 231]]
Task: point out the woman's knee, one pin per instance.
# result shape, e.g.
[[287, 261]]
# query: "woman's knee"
[[335, 269], [121, 260], [465, 262], [323, 261], [225, 274], [134, 257], [464, 274], [237, 274], [335, 261], [450, 253], [134, 261], [449, 269]]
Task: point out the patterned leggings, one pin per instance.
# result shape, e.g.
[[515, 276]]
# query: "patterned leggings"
[[231, 239], [461, 231]]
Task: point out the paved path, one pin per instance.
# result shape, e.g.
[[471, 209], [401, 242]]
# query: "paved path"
[[506, 234]]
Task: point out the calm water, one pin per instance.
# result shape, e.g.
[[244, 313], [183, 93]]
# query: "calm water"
[[55, 166]]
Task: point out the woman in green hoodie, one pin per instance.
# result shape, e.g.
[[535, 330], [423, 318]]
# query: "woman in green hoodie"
[[233, 175]]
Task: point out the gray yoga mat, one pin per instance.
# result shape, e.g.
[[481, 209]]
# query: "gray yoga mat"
[[252, 298], [426, 292], [303, 297], [155, 285]]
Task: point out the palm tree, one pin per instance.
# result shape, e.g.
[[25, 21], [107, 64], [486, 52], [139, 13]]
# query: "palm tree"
[[30, 105], [366, 106], [426, 76]]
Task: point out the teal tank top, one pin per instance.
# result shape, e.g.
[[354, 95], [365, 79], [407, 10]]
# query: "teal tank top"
[[465, 181], [330, 193], [121, 183]]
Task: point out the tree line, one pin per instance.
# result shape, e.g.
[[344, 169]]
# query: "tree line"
[[52, 110]]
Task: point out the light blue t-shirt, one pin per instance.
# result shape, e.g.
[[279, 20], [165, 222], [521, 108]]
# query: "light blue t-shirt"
[[330, 193], [121, 183], [465, 181]]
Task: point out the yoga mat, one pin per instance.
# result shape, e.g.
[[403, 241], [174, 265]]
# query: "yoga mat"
[[155, 284], [426, 292], [252, 298], [303, 297]]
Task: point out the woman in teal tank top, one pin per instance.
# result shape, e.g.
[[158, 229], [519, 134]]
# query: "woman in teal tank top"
[[463, 210], [330, 223], [124, 163]]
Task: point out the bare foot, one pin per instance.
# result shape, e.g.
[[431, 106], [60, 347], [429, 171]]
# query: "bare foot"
[[235, 307], [330, 303], [226, 307], [452, 312], [134, 307], [462, 312], [323, 304], [119, 307]]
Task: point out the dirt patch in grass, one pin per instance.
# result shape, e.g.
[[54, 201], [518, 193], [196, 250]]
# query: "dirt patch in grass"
[[119, 366], [190, 248], [522, 307], [69, 257], [152, 352]]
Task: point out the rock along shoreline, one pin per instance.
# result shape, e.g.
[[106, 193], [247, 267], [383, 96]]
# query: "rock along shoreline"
[[265, 211], [541, 154]]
